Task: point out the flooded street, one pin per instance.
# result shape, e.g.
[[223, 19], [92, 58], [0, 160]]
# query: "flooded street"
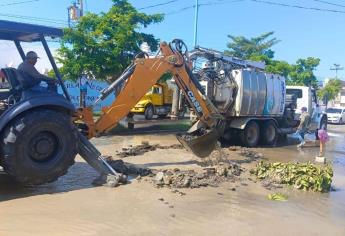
[[72, 206]]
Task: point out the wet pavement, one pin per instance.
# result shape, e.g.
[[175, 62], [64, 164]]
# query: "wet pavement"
[[72, 206]]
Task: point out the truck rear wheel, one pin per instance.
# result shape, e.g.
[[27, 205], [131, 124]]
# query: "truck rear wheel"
[[269, 133], [149, 111], [39, 147], [251, 134]]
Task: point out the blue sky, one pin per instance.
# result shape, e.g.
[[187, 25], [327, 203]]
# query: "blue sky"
[[302, 33]]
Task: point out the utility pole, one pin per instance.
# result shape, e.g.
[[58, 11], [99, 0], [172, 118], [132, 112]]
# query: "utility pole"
[[336, 68], [75, 11], [81, 4], [69, 17], [196, 22], [196, 16]]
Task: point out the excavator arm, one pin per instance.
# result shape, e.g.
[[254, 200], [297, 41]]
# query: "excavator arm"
[[139, 77]]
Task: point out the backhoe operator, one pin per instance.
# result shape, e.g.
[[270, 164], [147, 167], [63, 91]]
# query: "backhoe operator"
[[31, 78]]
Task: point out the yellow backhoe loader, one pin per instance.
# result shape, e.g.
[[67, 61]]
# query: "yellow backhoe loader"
[[138, 78]]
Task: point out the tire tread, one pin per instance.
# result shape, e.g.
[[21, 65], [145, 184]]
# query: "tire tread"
[[14, 129]]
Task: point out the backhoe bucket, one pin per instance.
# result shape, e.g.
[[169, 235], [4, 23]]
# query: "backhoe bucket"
[[200, 144]]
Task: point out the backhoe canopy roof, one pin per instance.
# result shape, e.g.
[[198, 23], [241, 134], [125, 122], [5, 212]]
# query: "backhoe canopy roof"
[[24, 32]]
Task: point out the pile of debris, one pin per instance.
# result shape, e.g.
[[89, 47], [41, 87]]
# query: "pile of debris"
[[247, 152], [128, 169], [176, 178], [210, 176], [217, 168], [123, 168], [143, 148]]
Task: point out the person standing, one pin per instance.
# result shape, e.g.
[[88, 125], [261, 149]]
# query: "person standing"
[[323, 137], [314, 117], [2, 77], [303, 126]]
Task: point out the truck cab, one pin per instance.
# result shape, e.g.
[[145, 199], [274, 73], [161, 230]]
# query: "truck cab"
[[157, 101], [306, 97]]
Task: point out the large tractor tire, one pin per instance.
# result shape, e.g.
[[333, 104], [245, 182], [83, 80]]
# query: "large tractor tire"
[[269, 133], [149, 112], [251, 134], [39, 147]]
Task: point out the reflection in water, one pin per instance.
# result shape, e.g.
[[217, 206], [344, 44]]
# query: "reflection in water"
[[79, 176]]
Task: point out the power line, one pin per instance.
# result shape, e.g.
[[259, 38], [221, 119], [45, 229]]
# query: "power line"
[[217, 2], [330, 3], [55, 21], [298, 6], [159, 4], [17, 3], [336, 67], [29, 18], [180, 10]]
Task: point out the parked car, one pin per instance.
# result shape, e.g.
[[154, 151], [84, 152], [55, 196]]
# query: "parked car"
[[336, 115]]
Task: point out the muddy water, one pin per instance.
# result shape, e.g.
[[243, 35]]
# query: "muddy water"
[[72, 206], [311, 213]]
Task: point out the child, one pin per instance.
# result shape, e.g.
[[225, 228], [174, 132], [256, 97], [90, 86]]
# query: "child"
[[323, 136]]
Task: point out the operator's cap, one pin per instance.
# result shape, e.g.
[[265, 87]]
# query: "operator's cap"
[[31, 55], [304, 109]]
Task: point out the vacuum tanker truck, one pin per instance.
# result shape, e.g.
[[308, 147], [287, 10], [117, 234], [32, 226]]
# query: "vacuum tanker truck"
[[258, 107]]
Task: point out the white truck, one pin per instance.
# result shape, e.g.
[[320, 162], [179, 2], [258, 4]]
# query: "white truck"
[[306, 97], [258, 106]]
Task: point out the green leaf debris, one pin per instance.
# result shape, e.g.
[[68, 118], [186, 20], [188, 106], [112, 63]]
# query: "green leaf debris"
[[277, 197], [305, 176]]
